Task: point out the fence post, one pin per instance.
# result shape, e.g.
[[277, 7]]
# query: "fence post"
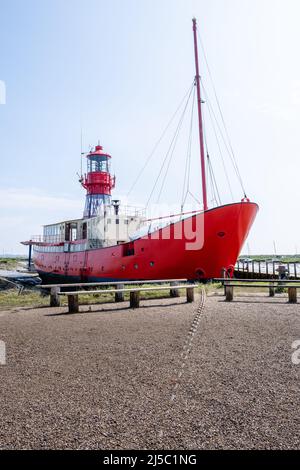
[[135, 299], [292, 295], [73, 303], [54, 297], [190, 294], [271, 289], [229, 293], [174, 292], [119, 296]]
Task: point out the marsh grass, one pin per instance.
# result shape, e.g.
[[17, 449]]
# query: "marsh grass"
[[10, 264], [36, 298]]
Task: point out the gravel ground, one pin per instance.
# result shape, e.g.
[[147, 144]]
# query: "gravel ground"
[[103, 379]]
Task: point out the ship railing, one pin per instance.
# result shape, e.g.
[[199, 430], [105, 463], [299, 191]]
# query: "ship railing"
[[47, 238], [132, 211], [36, 238], [95, 243]]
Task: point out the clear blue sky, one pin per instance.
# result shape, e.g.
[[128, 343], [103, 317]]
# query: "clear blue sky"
[[118, 69]]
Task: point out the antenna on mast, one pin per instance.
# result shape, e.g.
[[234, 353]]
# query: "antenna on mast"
[[199, 102], [81, 151]]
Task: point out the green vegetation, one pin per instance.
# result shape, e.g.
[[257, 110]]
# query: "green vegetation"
[[34, 298], [10, 264], [29, 298]]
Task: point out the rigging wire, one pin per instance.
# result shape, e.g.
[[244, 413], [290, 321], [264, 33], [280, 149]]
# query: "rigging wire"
[[208, 172], [218, 142], [159, 140], [213, 182], [169, 152], [194, 197], [214, 117], [232, 153], [214, 186]]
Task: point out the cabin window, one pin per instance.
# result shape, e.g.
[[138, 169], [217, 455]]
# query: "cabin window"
[[98, 163], [70, 232], [84, 231]]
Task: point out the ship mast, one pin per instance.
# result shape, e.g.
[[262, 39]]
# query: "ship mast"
[[199, 101]]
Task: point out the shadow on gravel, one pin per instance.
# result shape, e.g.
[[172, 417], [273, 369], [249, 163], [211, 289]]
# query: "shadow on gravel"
[[272, 302], [111, 310]]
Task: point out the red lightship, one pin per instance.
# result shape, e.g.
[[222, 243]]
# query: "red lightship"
[[109, 243]]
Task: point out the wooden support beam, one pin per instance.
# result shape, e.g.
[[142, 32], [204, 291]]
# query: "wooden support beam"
[[73, 303], [292, 295], [174, 292], [134, 299], [271, 290], [54, 297], [229, 293], [119, 296], [190, 294]]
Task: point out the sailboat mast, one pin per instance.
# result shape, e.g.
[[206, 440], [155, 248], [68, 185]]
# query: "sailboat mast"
[[199, 101]]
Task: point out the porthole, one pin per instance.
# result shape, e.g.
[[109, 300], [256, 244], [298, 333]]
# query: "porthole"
[[221, 234], [151, 263], [136, 266]]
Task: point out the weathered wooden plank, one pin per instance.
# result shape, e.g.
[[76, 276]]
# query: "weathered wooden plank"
[[89, 284], [130, 289]]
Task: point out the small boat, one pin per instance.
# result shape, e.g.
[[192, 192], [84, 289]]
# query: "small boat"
[[110, 242]]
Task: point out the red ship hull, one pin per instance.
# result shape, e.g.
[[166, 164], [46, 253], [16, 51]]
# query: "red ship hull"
[[161, 255]]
